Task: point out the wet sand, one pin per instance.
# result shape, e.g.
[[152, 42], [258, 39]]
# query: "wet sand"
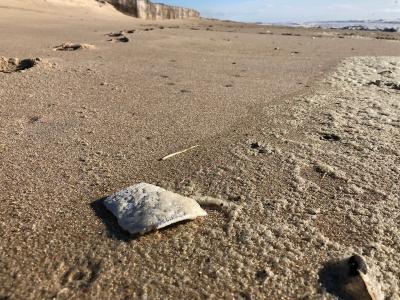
[[294, 132]]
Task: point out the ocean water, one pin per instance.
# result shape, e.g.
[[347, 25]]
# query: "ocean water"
[[381, 25]]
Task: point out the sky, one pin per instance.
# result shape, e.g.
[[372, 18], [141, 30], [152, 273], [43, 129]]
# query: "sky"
[[293, 10]]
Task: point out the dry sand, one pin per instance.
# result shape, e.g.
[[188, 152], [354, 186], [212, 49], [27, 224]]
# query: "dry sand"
[[298, 134]]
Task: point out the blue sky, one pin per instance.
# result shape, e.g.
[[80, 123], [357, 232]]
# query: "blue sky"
[[293, 10]]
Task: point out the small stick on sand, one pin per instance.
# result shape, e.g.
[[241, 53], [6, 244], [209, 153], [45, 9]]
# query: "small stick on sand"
[[179, 152]]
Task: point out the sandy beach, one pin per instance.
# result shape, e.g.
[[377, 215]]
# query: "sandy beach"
[[298, 133]]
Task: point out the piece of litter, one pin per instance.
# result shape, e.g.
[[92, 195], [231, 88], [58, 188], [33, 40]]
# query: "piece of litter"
[[210, 201], [179, 152], [144, 207], [72, 47]]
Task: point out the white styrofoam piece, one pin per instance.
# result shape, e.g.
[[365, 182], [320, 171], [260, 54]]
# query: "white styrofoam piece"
[[144, 207]]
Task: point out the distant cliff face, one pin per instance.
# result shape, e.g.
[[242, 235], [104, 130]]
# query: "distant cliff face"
[[145, 9]]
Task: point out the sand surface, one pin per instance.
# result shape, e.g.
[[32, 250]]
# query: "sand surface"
[[298, 133]]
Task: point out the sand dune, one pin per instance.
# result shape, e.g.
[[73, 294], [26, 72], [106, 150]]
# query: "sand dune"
[[72, 3], [61, 7]]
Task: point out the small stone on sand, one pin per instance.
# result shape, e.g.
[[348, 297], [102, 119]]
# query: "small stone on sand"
[[350, 279]]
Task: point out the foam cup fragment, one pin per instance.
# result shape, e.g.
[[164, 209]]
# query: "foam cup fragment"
[[144, 207]]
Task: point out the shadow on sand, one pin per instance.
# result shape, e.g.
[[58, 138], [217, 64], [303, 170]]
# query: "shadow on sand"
[[114, 231], [342, 279]]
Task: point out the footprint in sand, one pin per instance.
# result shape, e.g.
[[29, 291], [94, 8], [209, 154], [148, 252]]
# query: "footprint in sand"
[[72, 47], [116, 34], [123, 39], [81, 274], [259, 148], [10, 65], [381, 83], [120, 36], [34, 119], [291, 34], [331, 137]]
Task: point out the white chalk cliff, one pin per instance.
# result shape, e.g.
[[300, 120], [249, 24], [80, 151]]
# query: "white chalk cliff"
[[145, 9]]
